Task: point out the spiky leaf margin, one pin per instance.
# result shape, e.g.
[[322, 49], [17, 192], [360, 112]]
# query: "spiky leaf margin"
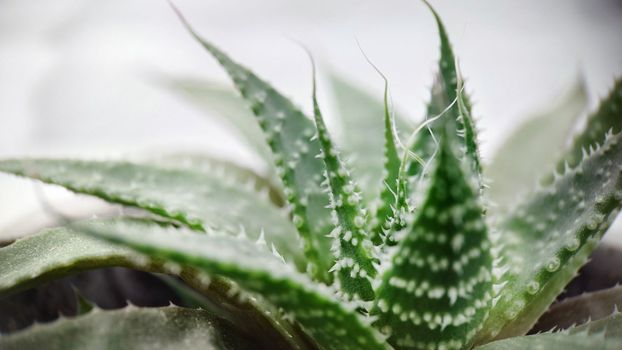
[[331, 322]]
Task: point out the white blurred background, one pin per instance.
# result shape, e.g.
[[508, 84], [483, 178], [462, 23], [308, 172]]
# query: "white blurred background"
[[77, 76]]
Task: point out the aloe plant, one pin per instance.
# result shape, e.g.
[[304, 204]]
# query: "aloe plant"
[[416, 257]]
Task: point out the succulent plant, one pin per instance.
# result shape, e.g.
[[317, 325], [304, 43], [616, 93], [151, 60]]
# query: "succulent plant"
[[400, 248]]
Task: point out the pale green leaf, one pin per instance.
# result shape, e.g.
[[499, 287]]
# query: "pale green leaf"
[[199, 200], [331, 322], [226, 104], [534, 146], [132, 328]]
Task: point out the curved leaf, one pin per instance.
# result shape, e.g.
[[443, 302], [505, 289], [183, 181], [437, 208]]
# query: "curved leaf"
[[329, 321], [132, 328], [533, 147], [58, 252], [288, 133], [199, 200], [551, 235]]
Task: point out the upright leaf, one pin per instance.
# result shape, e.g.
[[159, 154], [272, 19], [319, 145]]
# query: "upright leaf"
[[384, 216], [448, 104], [199, 200], [354, 265], [132, 328], [551, 235], [332, 323], [438, 289], [288, 132], [535, 144]]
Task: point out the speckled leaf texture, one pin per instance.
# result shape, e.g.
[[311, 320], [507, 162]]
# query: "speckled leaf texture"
[[438, 289], [332, 323], [288, 133], [354, 264], [132, 328], [550, 235], [196, 199]]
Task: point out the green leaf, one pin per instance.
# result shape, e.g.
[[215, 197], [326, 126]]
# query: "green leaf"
[[555, 341], [55, 253], [581, 309], [551, 235], [452, 89], [534, 146], [609, 327], [448, 105], [438, 289], [132, 328], [354, 266], [361, 118], [222, 101], [607, 118], [198, 200], [331, 322], [384, 216], [288, 132]]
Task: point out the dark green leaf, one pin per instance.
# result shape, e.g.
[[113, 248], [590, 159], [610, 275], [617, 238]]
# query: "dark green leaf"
[[438, 289]]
